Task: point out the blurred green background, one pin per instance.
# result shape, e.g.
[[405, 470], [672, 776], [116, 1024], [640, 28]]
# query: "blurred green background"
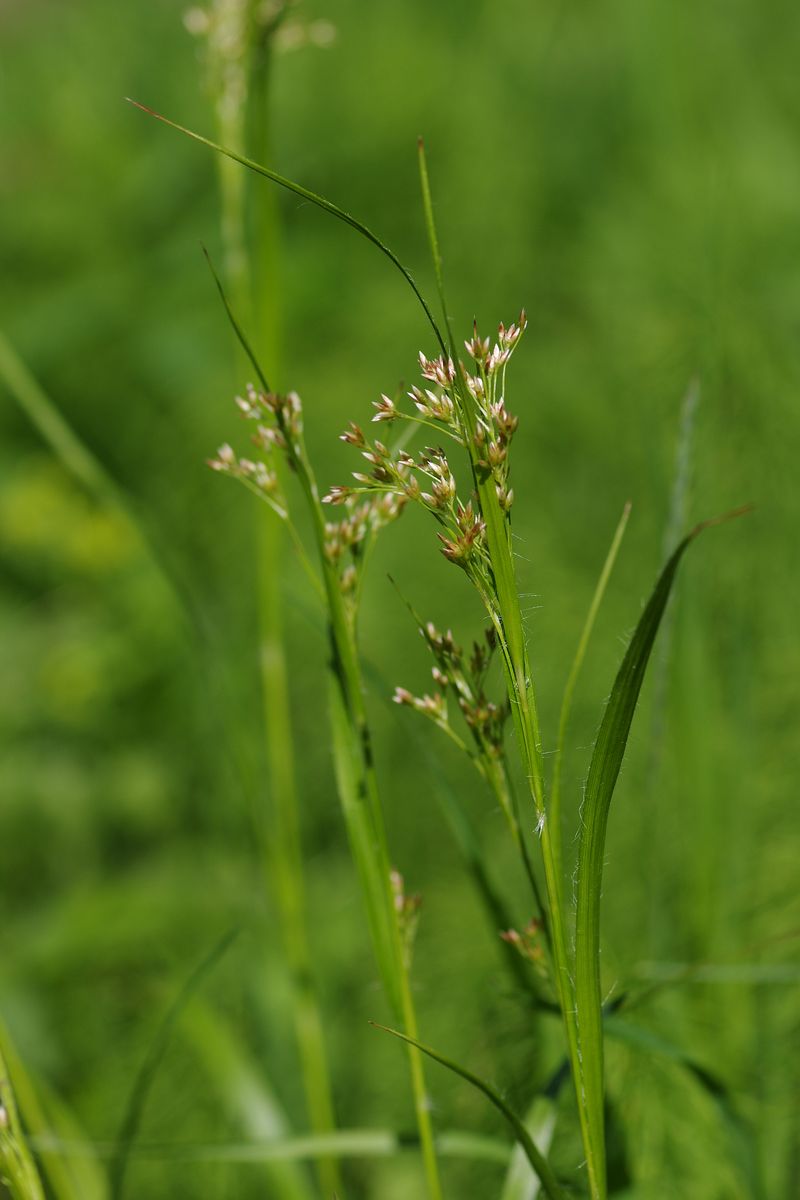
[[630, 174]]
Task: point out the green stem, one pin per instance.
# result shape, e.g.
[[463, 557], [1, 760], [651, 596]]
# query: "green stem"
[[504, 609], [241, 69], [358, 787]]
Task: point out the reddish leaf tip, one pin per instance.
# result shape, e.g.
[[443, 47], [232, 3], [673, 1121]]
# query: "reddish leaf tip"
[[741, 511], [150, 111]]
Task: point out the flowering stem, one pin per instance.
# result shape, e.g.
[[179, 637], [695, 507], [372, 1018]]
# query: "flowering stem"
[[505, 612], [358, 786], [239, 52]]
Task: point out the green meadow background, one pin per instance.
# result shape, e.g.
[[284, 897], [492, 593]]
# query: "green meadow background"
[[630, 173]]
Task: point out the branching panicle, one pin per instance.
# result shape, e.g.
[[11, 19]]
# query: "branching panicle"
[[428, 479], [345, 543], [464, 677]]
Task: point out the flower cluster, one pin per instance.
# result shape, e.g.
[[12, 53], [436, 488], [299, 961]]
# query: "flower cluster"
[[464, 677], [280, 427], [279, 430], [257, 475], [427, 478], [495, 426], [528, 943], [407, 908], [346, 540]]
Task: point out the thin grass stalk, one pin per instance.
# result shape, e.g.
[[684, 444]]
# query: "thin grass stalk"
[[355, 773], [677, 520], [506, 615], [344, 1143], [355, 766], [554, 814], [241, 74]]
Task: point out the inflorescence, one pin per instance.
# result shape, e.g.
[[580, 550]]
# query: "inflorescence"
[[396, 477], [427, 478]]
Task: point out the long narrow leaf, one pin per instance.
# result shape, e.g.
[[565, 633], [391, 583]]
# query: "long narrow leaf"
[[249, 1099], [76, 457], [45, 1116], [554, 813], [343, 1143], [44, 415], [536, 1159], [603, 773], [320, 201], [521, 1183], [143, 1082]]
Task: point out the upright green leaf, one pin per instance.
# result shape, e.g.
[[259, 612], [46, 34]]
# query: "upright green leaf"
[[603, 773], [554, 808]]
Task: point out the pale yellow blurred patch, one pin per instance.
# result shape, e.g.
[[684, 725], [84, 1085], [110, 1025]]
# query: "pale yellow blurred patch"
[[44, 516]]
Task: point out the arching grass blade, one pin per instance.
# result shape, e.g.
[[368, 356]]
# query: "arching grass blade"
[[147, 1072], [536, 1159], [320, 201]]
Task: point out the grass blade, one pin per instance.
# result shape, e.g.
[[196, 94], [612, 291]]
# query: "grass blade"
[[134, 1109], [554, 814], [46, 1117], [603, 773], [17, 1169], [536, 1159], [320, 201], [45, 417], [343, 1143], [247, 1097], [520, 1182], [235, 325]]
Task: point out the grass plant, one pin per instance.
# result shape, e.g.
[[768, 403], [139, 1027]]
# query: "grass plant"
[[465, 405], [165, 642]]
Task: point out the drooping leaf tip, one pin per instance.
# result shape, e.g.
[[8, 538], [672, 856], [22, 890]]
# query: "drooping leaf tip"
[[722, 519]]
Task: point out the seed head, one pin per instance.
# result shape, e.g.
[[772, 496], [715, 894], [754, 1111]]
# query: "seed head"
[[338, 495], [225, 460], [437, 370], [353, 435], [477, 347], [386, 410]]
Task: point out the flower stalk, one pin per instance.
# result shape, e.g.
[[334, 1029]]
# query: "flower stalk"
[[238, 38], [341, 548]]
